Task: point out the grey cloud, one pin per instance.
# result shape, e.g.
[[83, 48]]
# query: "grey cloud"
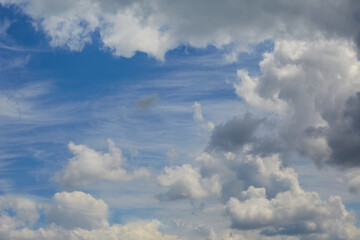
[[353, 180], [236, 173], [261, 194], [315, 132], [234, 134], [146, 102], [344, 134], [308, 86]]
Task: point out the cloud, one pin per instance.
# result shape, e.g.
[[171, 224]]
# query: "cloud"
[[76, 209], [147, 102], [344, 133], [88, 166], [184, 182], [234, 134], [16, 212], [199, 118], [156, 26], [237, 172], [261, 194], [291, 213], [311, 87], [71, 215], [19, 103], [353, 180]]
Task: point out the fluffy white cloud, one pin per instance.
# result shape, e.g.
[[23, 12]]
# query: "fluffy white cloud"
[[71, 215], [185, 182], [89, 165], [16, 212], [78, 210], [292, 213]]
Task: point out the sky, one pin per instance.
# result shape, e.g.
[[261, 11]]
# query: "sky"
[[212, 120]]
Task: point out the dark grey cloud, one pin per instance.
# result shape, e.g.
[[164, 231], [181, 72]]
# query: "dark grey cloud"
[[315, 132], [237, 132], [344, 134], [234, 134]]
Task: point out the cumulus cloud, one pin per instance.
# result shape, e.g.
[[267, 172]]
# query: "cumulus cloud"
[[71, 215], [185, 182], [292, 213], [259, 193], [353, 180], [311, 87], [16, 212], [237, 172], [78, 210], [88, 166]]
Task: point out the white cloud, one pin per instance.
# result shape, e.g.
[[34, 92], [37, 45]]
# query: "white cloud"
[[24, 213], [184, 182], [73, 216], [199, 118], [293, 213], [88, 166], [237, 172], [78, 210]]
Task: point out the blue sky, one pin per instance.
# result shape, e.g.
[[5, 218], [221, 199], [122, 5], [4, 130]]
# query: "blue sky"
[[146, 119]]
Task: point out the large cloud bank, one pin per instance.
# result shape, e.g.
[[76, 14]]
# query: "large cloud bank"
[[156, 26]]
